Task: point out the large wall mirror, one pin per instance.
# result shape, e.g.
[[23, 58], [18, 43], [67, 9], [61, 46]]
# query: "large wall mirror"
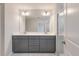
[[36, 20], [37, 24]]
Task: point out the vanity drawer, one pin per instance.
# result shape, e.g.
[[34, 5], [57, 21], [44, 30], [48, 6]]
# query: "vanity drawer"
[[34, 44], [34, 40]]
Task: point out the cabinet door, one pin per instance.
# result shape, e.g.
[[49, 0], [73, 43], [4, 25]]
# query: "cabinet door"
[[47, 44], [33, 44], [20, 44]]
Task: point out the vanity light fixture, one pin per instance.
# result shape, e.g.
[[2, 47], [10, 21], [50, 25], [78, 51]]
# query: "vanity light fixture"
[[61, 14], [25, 13], [45, 13]]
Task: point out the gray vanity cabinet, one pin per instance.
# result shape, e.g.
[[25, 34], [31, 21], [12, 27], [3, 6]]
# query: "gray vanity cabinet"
[[34, 44], [20, 44], [47, 44]]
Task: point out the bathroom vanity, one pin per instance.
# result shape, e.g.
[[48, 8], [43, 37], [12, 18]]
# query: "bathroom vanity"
[[34, 43], [37, 33]]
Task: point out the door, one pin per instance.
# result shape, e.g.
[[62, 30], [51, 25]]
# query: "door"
[[20, 44], [60, 33], [47, 44], [60, 29], [72, 29]]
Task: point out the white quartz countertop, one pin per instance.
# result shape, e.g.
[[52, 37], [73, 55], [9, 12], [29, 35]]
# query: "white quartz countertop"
[[34, 34]]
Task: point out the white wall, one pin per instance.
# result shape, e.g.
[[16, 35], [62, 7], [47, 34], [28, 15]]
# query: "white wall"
[[72, 30], [11, 25], [53, 23]]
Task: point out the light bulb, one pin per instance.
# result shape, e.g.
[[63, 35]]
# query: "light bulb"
[[45, 13], [25, 13]]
